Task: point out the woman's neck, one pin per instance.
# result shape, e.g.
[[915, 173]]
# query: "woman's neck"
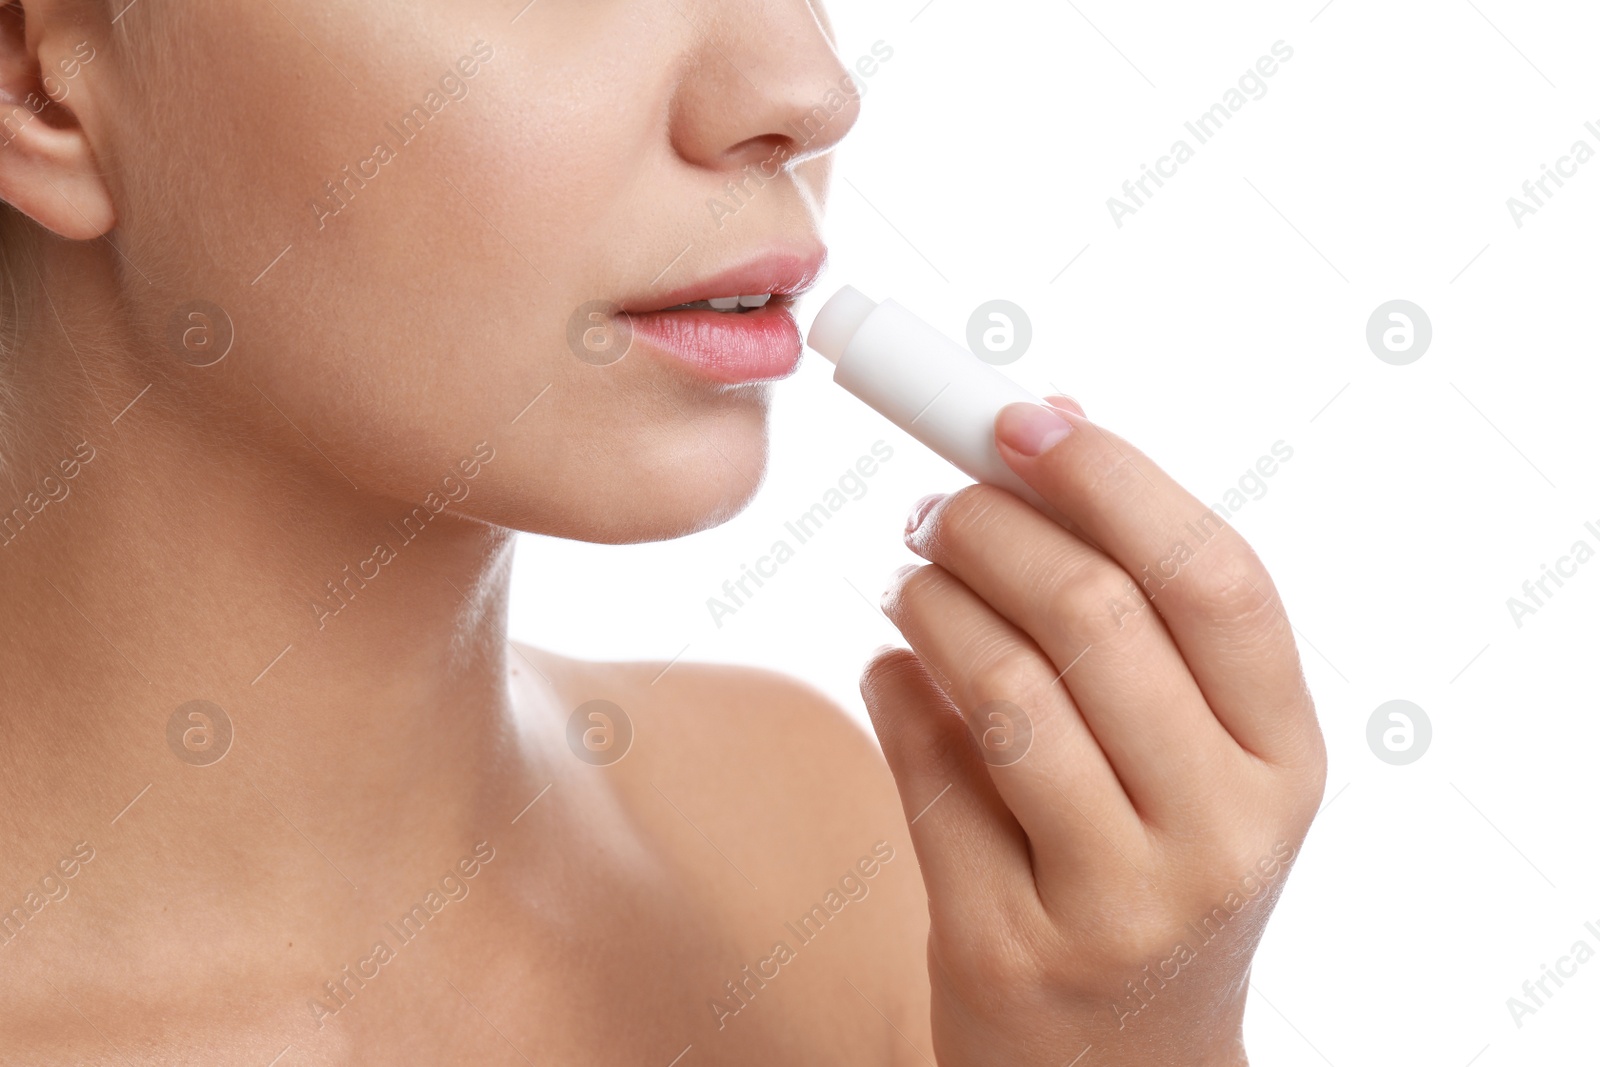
[[355, 646]]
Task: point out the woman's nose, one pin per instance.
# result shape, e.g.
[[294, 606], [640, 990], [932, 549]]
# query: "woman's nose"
[[763, 84]]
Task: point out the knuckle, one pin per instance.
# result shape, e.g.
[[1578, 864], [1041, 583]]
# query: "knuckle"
[[1229, 586], [949, 746], [906, 592], [967, 517], [1107, 471], [1008, 670], [1317, 762], [885, 665], [1308, 779], [991, 968], [1141, 933], [1128, 934], [1303, 752], [1097, 605], [1244, 868]]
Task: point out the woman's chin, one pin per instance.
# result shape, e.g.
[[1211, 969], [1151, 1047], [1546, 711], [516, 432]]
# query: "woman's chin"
[[706, 480], [620, 511], [664, 514]]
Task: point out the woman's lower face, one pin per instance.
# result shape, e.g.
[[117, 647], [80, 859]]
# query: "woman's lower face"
[[423, 227]]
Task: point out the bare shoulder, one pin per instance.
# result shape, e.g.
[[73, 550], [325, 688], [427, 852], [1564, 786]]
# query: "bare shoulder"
[[770, 743], [781, 801], [760, 724]]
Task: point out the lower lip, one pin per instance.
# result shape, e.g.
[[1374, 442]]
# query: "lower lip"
[[725, 346]]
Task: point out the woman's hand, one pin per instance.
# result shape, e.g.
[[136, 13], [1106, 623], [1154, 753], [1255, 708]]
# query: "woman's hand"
[[1106, 751]]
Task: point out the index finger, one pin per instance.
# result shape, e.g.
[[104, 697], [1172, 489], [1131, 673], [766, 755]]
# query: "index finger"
[[1210, 588]]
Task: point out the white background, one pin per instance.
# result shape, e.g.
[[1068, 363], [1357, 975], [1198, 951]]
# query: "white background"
[[1226, 315]]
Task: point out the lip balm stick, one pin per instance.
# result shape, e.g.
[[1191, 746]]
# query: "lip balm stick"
[[924, 383]]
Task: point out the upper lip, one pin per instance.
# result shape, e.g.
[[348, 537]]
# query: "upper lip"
[[787, 272]]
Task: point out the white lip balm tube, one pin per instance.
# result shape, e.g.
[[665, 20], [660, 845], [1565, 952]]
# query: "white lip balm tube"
[[924, 383]]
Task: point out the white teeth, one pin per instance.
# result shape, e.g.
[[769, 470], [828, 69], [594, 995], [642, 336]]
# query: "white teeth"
[[726, 303]]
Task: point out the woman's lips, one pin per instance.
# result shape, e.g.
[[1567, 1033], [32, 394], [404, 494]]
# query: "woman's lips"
[[725, 346]]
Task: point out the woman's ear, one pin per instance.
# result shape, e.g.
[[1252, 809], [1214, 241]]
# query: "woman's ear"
[[47, 166]]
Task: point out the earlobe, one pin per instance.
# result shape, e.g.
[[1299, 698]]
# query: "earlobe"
[[48, 169]]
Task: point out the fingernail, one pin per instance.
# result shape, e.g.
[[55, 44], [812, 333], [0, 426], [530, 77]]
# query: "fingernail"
[[1059, 401], [1031, 429], [919, 511]]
